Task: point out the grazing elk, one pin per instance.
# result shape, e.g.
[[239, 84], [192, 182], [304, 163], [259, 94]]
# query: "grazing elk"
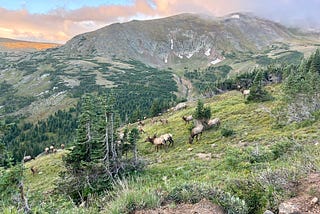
[[156, 141], [213, 122], [27, 158], [62, 146], [187, 119], [180, 106], [196, 132], [164, 121], [167, 138]]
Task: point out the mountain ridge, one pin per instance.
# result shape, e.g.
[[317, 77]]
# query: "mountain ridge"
[[176, 39]]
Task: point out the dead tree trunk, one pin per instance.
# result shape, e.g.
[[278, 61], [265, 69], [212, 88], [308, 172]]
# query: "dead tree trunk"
[[106, 144]]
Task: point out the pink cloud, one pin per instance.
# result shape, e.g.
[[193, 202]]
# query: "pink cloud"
[[60, 25]]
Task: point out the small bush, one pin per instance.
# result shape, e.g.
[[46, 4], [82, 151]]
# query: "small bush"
[[251, 192], [193, 193], [226, 132]]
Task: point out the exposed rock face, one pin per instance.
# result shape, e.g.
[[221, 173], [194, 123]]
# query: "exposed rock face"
[[179, 38]]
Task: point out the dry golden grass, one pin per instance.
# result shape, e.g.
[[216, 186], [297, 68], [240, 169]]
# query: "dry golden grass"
[[28, 45]]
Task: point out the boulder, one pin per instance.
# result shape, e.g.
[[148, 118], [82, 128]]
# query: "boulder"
[[288, 208]]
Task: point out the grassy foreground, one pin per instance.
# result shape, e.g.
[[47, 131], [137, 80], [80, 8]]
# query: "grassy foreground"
[[250, 161]]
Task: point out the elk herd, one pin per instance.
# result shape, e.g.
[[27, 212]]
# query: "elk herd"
[[47, 151], [166, 140]]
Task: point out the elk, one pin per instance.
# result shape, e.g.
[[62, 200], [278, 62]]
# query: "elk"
[[180, 106], [243, 91], [156, 141], [187, 119], [46, 150], [167, 138], [62, 146], [164, 121], [196, 132], [51, 148], [34, 170], [27, 158], [141, 123], [213, 122], [141, 129]]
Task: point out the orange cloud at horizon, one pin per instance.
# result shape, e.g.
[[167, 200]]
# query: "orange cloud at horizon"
[[60, 25]]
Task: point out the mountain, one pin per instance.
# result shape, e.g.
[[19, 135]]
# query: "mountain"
[[18, 45], [182, 38], [117, 55]]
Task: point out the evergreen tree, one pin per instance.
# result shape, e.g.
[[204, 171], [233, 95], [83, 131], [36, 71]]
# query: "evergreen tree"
[[133, 138], [202, 113], [315, 62], [95, 160], [155, 108], [257, 93], [301, 89], [83, 145]]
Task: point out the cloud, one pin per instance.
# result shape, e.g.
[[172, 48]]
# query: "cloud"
[[60, 24]]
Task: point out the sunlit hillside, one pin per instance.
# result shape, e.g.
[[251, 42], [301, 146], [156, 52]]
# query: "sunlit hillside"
[[16, 45]]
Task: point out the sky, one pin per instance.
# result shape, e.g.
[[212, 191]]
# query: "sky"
[[59, 20]]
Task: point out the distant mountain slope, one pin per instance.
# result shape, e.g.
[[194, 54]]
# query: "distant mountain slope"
[[181, 38], [18, 45]]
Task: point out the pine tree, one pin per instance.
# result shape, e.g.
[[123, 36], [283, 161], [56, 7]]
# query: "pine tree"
[[301, 89], [133, 138], [315, 62], [155, 108], [83, 145], [257, 93], [202, 113], [95, 161]]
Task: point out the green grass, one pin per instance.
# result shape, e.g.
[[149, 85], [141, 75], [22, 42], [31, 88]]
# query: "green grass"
[[48, 167], [255, 151]]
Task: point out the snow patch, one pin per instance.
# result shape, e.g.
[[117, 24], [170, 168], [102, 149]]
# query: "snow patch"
[[216, 61], [42, 93], [60, 93], [235, 16], [180, 56], [208, 52], [171, 46], [189, 55], [166, 59], [44, 76]]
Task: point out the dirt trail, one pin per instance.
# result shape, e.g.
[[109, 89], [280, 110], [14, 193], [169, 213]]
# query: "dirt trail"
[[203, 207]]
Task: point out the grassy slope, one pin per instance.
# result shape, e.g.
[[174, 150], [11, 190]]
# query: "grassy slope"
[[253, 126], [49, 167]]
